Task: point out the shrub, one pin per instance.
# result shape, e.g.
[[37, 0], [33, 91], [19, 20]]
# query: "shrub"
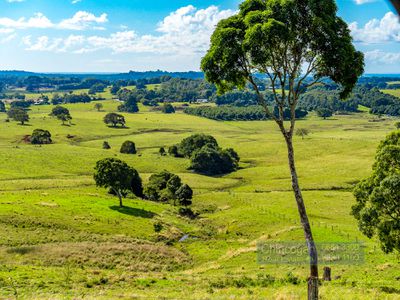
[[106, 145], [196, 142], [397, 125], [165, 186], [174, 151], [162, 151], [168, 108], [40, 137], [128, 147], [2, 106], [302, 132], [213, 161]]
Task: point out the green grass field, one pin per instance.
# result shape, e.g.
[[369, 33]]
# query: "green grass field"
[[395, 92], [63, 238]]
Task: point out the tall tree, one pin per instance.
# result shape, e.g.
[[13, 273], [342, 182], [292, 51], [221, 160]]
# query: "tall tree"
[[294, 43]]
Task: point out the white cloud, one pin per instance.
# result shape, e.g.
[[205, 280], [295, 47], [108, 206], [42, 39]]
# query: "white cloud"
[[359, 2], [12, 1], [75, 1], [80, 21], [8, 38], [381, 57], [377, 31], [44, 43], [186, 31]]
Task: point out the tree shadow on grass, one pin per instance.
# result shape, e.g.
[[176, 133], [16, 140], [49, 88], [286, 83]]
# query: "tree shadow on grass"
[[137, 212]]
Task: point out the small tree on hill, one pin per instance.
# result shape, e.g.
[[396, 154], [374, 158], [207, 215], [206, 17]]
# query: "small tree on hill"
[[118, 176], [128, 147], [61, 113], [2, 106], [98, 106], [397, 125], [18, 114], [302, 132], [40, 137], [378, 196], [324, 113], [114, 119]]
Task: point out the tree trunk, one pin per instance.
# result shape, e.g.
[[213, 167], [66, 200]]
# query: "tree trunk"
[[120, 198], [312, 250]]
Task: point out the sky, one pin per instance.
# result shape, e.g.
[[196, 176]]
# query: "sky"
[[121, 35]]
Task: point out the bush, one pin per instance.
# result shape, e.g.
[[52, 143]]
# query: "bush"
[[168, 108], [324, 113], [162, 151], [196, 142], [18, 114], [397, 125], [2, 107], [166, 186], [40, 137], [214, 161], [174, 151], [128, 147], [106, 145]]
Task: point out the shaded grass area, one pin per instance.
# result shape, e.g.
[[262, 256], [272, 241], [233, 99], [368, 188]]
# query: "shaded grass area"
[[62, 237]]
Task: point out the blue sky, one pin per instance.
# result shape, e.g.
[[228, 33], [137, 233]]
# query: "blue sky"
[[123, 35]]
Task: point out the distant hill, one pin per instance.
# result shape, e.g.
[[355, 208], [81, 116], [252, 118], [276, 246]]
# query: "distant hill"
[[132, 75]]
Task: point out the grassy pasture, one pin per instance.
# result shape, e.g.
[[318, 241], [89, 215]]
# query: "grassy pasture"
[[392, 92], [61, 237]]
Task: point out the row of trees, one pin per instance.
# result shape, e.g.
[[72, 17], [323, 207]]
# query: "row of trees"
[[233, 113]]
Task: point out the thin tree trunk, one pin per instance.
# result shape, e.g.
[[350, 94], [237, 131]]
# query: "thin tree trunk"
[[312, 250], [120, 198]]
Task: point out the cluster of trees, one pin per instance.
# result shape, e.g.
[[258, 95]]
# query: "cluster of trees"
[[378, 197], [121, 179], [328, 98], [70, 98], [245, 113], [165, 186], [129, 99], [206, 157]]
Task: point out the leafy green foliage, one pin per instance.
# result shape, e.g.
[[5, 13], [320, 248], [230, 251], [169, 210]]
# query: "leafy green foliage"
[[302, 132], [117, 175], [167, 108], [70, 98], [196, 142], [378, 196], [106, 145], [98, 106], [18, 114], [2, 106], [114, 119], [61, 113], [232, 113], [211, 160], [40, 137], [130, 101], [128, 147], [166, 186], [324, 113]]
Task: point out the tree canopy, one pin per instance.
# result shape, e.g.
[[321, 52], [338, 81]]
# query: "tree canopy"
[[118, 176], [378, 196]]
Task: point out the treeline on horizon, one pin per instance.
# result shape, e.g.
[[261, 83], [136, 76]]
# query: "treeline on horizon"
[[235, 105]]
